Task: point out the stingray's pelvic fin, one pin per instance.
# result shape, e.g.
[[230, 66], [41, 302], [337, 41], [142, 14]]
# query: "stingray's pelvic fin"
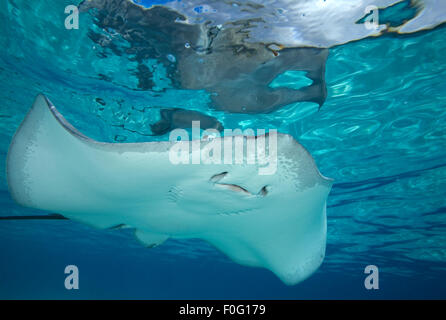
[[149, 239]]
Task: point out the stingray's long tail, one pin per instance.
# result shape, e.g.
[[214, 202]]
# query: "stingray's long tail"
[[40, 217]]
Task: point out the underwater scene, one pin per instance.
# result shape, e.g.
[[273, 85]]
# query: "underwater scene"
[[230, 149]]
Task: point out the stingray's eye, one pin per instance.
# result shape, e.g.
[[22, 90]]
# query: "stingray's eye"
[[217, 177], [264, 191]]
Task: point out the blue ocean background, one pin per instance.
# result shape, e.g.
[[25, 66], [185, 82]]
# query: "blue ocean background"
[[381, 134]]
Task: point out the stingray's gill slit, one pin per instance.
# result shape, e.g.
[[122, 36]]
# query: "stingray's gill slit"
[[233, 187], [51, 166], [216, 178]]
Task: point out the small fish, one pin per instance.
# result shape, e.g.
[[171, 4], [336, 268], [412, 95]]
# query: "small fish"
[[176, 118]]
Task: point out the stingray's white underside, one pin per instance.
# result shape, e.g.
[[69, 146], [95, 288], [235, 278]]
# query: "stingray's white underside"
[[52, 166]]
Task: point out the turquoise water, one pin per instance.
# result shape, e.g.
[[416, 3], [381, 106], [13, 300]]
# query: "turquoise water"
[[380, 134]]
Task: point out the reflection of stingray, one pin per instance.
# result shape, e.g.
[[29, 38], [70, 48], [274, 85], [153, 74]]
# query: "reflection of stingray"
[[273, 221], [219, 60], [240, 80]]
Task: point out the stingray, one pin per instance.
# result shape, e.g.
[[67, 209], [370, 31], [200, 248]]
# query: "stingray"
[[235, 72], [176, 118], [273, 221]]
